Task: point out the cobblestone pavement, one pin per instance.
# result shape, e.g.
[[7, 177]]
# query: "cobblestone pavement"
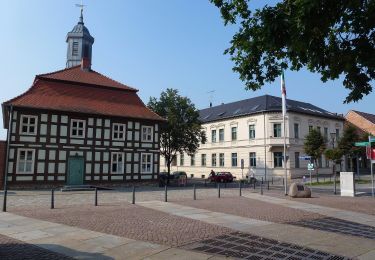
[[358, 204], [127, 220], [252, 208], [14, 249]]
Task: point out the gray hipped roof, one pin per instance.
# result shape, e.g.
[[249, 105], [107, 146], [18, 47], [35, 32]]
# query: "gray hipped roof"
[[260, 104]]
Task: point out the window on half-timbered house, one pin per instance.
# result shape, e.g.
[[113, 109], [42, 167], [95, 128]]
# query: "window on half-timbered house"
[[146, 163], [28, 125], [25, 162], [77, 128], [118, 132], [147, 133], [117, 163]]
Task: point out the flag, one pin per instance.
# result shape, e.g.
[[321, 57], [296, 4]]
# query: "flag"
[[283, 93]]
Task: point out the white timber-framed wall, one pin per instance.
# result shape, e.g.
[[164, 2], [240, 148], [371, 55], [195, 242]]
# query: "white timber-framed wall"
[[51, 142]]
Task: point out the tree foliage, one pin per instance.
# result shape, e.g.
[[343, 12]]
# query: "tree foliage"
[[334, 155], [346, 142], [330, 37], [182, 132], [314, 146]]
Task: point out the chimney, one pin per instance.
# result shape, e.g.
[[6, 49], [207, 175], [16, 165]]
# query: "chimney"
[[85, 64]]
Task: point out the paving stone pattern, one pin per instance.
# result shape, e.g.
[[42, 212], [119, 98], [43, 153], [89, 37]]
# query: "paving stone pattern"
[[338, 226], [131, 221], [251, 208], [14, 249], [246, 246]]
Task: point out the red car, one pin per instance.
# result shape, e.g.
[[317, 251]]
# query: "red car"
[[221, 177]]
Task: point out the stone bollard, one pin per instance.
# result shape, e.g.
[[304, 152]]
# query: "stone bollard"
[[133, 199], [96, 196], [52, 199]]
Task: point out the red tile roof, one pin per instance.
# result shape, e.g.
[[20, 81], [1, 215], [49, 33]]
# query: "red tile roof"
[[75, 90], [91, 77], [369, 117]]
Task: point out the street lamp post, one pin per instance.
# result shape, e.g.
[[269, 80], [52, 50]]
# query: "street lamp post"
[[333, 136]]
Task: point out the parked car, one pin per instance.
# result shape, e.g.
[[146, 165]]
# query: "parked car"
[[221, 177], [178, 177]]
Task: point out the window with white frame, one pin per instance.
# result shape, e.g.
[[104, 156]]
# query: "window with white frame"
[[182, 159], [251, 131], [252, 159], [234, 133], [221, 159], [117, 163], [213, 135], [213, 160], [203, 159], [276, 130], [221, 135], [28, 125], [77, 128], [118, 132], [25, 161], [234, 159], [146, 163], [192, 160], [147, 133]]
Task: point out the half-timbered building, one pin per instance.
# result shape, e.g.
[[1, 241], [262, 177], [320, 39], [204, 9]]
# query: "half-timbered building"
[[77, 126]]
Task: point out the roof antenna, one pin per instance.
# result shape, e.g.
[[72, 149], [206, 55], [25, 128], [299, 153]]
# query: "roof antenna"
[[81, 6], [211, 93]]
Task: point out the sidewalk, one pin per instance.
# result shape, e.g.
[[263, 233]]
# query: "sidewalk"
[[85, 244], [318, 240]]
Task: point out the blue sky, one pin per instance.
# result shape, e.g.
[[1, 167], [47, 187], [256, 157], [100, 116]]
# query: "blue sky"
[[148, 44]]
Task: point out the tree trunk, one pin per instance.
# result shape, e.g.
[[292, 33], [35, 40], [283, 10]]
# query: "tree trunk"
[[169, 171]]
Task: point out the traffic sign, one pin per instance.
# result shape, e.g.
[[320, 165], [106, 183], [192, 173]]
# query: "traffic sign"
[[305, 157], [361, 144], [310, 167]]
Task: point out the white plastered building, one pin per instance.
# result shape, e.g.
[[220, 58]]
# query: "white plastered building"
[[252, 130]]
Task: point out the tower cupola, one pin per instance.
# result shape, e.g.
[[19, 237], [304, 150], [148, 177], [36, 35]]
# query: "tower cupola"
[[79, 44]]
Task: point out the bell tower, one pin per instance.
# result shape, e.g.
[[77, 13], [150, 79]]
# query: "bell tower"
[[79, 43]]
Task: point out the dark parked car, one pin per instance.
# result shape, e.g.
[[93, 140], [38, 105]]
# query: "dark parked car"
[[178, 177], [221, 177]]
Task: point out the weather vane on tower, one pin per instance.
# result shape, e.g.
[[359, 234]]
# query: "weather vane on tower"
[[81, 6]]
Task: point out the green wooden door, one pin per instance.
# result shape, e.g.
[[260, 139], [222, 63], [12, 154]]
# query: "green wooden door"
[[75, 170]]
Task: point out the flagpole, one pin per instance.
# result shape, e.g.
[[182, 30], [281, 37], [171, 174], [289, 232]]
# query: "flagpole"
[[283, 95], [286, 173]]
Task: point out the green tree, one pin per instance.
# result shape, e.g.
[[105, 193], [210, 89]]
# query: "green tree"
[[346, 144], [183, 131], [314, 146], [330, 37]]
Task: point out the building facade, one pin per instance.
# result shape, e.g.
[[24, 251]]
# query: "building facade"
[[364, 122], [77, 126], [252, 130]]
